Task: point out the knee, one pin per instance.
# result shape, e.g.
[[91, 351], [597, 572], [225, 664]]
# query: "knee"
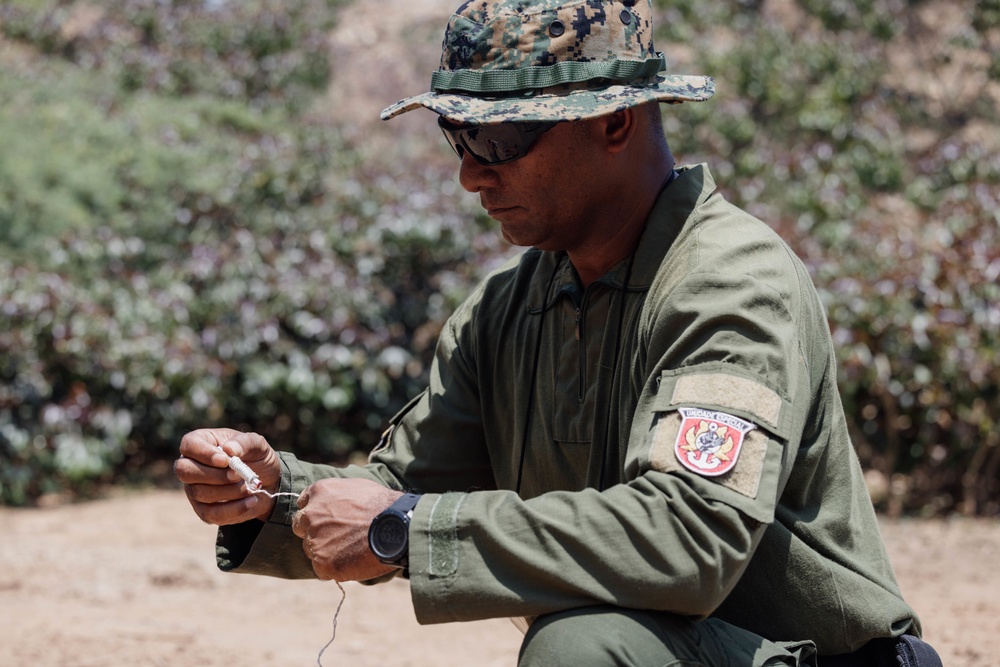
[[557, 639], [597, 636]]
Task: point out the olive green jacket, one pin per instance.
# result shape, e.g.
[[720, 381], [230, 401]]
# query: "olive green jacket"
[[587, 385]]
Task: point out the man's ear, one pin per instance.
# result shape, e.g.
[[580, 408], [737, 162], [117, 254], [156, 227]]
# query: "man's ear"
[[619, 128]]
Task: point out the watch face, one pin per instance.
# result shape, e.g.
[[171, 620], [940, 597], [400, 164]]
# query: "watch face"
[[389, 537]]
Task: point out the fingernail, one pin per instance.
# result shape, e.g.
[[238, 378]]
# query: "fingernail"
[[252, 501], [235, 448]]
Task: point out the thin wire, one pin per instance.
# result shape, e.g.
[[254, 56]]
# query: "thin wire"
[[252, 480], [254, 485], [274, 495], [343, 596]]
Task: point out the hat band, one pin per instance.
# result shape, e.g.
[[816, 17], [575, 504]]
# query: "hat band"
[[512, 80]]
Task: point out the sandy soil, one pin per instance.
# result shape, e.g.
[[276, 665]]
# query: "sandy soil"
[[131, 580]]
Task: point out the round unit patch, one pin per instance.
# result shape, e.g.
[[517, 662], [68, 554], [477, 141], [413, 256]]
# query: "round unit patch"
[[709, 442]]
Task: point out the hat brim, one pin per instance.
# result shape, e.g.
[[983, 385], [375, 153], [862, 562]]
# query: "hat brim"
[[574, 105]]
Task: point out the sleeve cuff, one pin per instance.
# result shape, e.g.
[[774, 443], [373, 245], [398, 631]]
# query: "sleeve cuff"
[[293, 480], [434, 552], [269, 547]]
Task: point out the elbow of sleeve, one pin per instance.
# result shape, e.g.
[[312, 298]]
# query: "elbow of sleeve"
[[709, 570], [711, 598], [703, 596]]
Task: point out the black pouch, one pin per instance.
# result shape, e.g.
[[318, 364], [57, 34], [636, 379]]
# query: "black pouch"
[[914, 652], [903, 651]]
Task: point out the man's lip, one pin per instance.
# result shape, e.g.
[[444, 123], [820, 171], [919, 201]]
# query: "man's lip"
[[493, 211]]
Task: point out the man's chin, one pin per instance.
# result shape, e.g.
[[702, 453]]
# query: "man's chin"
[[526, 242]]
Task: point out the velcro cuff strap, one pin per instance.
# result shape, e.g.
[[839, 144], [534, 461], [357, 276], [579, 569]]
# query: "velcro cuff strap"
[[512, 80], [443, 532]]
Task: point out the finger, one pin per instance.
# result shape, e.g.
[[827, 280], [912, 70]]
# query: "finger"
[[300, 525], [214, 493], [190, 471], [323, 569], [248, 446], [303, 499], [227, 513], [323, 573], [203, 446]]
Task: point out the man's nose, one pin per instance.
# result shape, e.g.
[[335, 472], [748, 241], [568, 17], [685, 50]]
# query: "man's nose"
[[474, 176]]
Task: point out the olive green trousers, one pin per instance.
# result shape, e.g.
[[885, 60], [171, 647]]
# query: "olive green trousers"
[[604, 636]]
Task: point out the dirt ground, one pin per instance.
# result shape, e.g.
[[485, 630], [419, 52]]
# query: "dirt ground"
[[131, 580]]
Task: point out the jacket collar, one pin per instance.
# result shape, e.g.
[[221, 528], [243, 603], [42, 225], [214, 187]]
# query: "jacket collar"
[[671, 211], [673, 207]]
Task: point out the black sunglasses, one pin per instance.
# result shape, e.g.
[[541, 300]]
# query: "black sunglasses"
[[495, 143]]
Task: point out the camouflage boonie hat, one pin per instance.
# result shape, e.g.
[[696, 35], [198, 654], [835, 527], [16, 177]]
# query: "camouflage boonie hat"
[[531, 60]]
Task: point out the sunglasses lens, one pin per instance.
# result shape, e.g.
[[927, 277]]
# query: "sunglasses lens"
[[493, 144]]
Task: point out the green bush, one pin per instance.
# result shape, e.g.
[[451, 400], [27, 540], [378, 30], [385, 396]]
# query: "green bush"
[[176, 257], [813, 132], [260, 52], [185, 242]]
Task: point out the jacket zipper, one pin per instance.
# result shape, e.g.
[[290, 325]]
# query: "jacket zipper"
[[581, 336]]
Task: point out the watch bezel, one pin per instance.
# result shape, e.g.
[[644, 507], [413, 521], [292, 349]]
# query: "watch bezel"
[[401, 510], [377, 545]]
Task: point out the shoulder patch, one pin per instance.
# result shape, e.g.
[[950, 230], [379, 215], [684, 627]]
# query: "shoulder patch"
[[709, 442], [744, 478]]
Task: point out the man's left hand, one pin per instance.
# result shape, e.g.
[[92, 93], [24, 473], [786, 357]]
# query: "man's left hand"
[[333, 520]]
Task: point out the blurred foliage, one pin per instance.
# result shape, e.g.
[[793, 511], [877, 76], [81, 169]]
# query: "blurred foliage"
[[175, 256], [857, 130], [185, 242]]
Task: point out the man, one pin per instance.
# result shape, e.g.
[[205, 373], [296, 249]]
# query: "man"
[[632, 434]]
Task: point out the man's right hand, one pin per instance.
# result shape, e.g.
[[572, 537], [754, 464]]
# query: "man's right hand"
[[216, 493]]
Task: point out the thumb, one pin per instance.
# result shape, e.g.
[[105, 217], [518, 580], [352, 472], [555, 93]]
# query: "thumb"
[[232, 448], [303, 498], [247, 446]]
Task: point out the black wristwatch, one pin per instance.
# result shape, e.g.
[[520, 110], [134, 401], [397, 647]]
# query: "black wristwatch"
[[389, 534]]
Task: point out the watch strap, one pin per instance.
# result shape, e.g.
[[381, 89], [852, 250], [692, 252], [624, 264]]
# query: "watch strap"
[[405, 503]]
